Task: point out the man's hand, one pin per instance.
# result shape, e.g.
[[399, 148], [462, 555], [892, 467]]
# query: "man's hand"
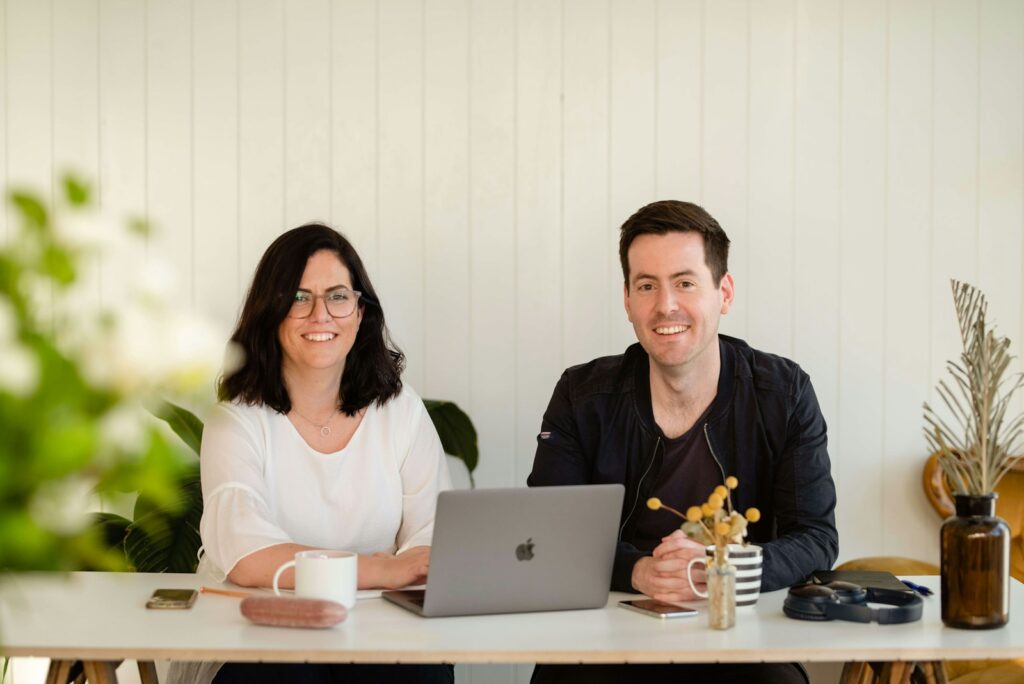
[[385, 571], [663, 576]]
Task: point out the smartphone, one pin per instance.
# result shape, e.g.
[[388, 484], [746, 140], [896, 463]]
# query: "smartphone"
[[658, 609], [172, 598]]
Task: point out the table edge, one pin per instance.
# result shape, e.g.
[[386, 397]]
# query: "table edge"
[[468, 656]]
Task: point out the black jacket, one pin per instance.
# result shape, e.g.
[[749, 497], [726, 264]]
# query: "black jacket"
[[764, 427]]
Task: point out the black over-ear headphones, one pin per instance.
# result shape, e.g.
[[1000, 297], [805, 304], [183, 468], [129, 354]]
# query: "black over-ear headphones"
[[848, 601]]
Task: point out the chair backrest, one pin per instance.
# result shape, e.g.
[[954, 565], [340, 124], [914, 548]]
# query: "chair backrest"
[[1009, 505], [897, 565]]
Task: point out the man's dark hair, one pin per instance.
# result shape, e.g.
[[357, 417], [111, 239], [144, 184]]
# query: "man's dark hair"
[[659, 218], [374, 365]]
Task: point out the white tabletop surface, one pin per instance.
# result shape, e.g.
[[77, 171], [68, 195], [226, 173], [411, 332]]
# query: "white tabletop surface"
[[101, 616]]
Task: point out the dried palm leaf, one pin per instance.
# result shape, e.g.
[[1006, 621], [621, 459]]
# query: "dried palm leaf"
[[976, 443]]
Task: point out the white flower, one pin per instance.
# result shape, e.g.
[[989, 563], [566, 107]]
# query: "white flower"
[[89, 230], [41, 296], [19, 369], [124, 430], [157, 282], [193, 350], [148, 348], [63, 506]]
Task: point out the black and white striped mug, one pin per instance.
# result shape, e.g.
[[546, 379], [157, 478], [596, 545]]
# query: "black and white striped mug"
[[747, 561]]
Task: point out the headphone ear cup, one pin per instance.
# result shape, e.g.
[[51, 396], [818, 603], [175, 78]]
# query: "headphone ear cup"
[[853, 594], [800, 608]]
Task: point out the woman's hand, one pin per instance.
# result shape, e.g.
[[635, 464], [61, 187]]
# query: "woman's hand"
[[384, 571]]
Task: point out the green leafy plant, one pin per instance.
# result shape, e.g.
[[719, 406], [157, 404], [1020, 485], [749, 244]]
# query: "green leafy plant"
[[458, 436], [72, 381], [166, 538], [976, 450]]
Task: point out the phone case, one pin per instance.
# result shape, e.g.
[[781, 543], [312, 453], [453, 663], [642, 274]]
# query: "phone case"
[[158, 602], [682, 612]]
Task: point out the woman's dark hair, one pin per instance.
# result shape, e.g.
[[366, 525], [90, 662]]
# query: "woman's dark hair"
[[668, 216], [373, 368]]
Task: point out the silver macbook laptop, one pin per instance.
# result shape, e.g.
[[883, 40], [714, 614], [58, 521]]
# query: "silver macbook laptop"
[[519, 550]]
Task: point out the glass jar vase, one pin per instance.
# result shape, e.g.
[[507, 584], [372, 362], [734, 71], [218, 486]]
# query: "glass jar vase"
[[975, 565], [721, 579]]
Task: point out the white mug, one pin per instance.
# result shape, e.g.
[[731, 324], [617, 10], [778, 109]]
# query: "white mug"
[[747, 561], [320, 574]]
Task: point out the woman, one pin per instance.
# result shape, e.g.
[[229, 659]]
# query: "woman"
[[317, 444]]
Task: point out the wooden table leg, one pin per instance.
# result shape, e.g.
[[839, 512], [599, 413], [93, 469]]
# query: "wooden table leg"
[[77, 674], [101, 672], [58, 672], [934, 672], [896, 673], [147, 672], [857, 673]]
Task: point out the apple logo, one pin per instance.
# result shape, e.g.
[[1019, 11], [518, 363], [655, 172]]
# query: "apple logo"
[[524, 552]]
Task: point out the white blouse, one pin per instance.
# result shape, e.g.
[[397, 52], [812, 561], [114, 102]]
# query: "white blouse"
[[263, 485]]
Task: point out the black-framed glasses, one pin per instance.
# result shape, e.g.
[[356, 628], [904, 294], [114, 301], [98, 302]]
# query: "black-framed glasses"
[[341, 302]]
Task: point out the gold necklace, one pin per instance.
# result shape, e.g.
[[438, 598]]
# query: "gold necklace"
[[325, 429]]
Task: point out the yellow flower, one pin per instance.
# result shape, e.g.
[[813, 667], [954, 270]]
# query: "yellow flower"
[[693, 514], [721, 491], [753, 515], [716, 502], [654, 503], [722, 528], [706, 510], [731, 482]]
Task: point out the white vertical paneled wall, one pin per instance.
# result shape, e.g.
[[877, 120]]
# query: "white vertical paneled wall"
[[481, 154], [170, 156], [862, 202], [261, 133], [122, 131], [905, 359]]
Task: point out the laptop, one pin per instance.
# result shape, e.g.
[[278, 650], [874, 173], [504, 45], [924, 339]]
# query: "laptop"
[[519, 550]]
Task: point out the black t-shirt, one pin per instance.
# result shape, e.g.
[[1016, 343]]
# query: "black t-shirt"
[[687, 477]]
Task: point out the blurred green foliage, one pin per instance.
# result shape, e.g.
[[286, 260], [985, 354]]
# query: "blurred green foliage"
[[56, 456], [162, 538]]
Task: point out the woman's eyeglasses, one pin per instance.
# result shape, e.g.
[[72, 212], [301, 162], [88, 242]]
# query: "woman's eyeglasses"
[[340, 302]]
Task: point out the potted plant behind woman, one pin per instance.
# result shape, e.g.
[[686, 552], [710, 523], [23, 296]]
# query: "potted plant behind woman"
[[975, 451]]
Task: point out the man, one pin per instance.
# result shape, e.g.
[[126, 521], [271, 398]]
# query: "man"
[[677, 413]]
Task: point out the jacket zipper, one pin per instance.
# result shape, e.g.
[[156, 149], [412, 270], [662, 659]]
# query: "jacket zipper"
[[639, 484], [707, 438], [657, 443]]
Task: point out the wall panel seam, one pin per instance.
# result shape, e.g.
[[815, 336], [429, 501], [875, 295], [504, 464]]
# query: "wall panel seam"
[[884, 500], [977, 145], [839, 214]]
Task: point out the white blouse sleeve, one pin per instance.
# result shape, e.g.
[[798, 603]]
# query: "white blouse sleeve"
[[236, 516], [424, 472]]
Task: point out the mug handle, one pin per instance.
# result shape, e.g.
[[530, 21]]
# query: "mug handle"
[[689, 576], [277, 575]]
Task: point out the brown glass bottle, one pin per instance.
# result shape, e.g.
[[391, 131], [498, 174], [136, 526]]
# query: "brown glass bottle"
[[975, 565]]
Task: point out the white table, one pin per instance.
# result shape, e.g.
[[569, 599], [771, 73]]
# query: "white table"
[[101, 617]]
